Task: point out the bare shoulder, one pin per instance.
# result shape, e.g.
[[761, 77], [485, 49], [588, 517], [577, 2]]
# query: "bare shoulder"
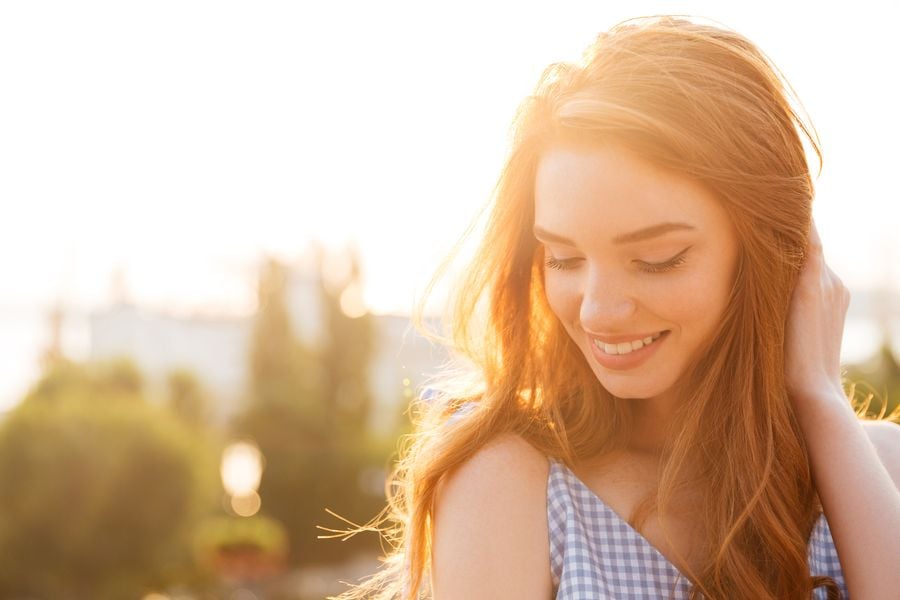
[[491, 537], [885, 436]]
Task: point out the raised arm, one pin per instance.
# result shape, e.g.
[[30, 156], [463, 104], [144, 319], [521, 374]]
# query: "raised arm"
[[885, 437], [858, 494], [491, 538]]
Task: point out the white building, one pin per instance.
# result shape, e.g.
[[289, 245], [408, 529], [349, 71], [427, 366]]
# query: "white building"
[[216, 350]]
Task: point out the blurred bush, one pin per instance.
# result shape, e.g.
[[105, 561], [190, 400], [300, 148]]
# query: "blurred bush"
[[108, 493], [188, 400], [116, 379], [243, 548], [99, 490]]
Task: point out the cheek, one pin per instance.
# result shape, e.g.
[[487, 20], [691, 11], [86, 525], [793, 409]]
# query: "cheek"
[[699, 301]]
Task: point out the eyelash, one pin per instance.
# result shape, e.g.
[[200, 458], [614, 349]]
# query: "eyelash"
[[563, 265]]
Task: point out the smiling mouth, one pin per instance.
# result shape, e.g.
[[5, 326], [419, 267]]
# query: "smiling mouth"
[[627, 347]]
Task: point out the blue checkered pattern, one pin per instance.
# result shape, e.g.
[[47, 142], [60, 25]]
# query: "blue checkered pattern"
[[596, 555]]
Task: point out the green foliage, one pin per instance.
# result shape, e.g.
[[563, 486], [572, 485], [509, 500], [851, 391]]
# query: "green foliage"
[[281, 369], [97, 496], [346, 353], [187, 399], [307, 410], [875, 384], [263, 533], [117, 379]]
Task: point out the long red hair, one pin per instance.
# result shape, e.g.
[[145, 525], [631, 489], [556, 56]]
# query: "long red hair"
[[703, 102]]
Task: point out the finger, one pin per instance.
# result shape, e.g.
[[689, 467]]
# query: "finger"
[[814, 258]]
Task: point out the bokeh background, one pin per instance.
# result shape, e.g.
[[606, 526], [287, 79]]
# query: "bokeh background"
[[217, 217]]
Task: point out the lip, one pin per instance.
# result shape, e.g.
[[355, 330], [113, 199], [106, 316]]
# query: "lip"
[[622, 362]]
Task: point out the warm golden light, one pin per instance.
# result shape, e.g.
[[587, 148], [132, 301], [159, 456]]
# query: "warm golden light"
[[352, 302], [241, 469], [246, 506], [402, 191]]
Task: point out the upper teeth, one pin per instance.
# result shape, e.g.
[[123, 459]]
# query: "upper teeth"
[[626, 347]]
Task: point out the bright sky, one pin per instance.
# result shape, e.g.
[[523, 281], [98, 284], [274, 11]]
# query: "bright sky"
[[179, 139]]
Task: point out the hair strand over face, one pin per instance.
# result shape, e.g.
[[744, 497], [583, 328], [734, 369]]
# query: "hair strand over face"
[[703, 102]]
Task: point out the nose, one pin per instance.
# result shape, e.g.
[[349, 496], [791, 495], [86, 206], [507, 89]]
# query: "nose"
[[607, 303]]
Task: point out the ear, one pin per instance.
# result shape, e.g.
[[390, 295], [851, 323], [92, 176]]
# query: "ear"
[[885, 436]]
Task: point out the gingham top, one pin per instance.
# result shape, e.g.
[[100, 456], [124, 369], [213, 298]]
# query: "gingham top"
[[596, 555]]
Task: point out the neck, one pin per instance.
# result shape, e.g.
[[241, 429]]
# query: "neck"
[[651, 418]]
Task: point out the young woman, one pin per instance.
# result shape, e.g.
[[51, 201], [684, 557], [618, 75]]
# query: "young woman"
[[659, 410]]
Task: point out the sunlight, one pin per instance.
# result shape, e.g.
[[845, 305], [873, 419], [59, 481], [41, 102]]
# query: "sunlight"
[[241, 469]]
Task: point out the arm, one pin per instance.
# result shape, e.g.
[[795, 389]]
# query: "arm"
[[859, 497], [885, 437], [491, 538]]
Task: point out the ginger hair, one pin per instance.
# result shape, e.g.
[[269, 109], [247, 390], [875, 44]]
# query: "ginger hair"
[[704, 102]]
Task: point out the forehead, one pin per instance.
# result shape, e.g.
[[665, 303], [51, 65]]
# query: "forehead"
[[608, 189]]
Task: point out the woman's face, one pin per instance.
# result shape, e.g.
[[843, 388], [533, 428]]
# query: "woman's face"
[[639, 263]]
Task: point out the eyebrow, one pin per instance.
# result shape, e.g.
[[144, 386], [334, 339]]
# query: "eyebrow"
[[640, 235]]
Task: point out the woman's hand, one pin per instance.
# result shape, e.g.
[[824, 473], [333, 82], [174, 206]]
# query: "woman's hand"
[[846, 468], [815, 326]]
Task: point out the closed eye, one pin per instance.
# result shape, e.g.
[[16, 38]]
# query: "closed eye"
[[565, 264], [674, 262], [558, 264]]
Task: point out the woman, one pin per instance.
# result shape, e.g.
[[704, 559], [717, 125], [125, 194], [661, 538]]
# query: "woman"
[[659, 409]]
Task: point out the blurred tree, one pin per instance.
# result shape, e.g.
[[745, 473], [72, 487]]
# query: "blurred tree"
[[281, 369], [880, 378], [306, 409], [53, 352], [187, 399], [117, 379], [347, 350], [97, 496]]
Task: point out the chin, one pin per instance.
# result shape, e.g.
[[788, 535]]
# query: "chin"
[[632, 390], [628, 395]]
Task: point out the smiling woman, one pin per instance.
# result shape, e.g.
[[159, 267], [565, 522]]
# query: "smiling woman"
[[658, 410], [646, 256]]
